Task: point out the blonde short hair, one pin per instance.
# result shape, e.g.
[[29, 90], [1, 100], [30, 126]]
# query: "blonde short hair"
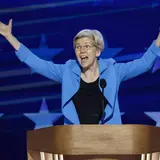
[[95, 35]]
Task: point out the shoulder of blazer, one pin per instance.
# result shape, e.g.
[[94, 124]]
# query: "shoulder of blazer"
[[108, 62], [103, 63], [70, 63], [74, 66]]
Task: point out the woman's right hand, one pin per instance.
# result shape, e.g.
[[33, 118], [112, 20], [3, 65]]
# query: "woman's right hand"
[[6, 30]]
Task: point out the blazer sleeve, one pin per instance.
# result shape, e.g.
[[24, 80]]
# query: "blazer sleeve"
[[40, 66], [136, 67]]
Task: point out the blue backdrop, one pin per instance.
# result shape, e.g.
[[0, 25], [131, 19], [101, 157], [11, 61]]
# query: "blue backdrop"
[[29, 101]]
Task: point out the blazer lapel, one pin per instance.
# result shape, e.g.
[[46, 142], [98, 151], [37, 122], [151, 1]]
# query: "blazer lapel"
[[70, 113], [68, 108], [110, 89], [109, 76], [73, 76]]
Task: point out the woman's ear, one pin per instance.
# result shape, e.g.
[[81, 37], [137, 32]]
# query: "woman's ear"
[[98, 52]]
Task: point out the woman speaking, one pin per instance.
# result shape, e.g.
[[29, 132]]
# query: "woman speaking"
[[89, 84]]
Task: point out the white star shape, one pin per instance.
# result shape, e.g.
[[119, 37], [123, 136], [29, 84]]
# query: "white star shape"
[[122, 113], [43, 118], [128, 57], [155, 116], [44, 52], [109, 52]]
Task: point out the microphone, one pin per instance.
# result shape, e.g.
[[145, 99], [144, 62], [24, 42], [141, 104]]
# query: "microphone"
[[103, 85]]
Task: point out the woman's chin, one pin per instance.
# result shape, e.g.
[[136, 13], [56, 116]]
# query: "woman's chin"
[[85, 67]]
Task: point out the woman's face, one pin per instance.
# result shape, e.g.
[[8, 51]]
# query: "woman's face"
[[86, 52]]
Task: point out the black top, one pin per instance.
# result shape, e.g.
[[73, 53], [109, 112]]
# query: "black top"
[[88, 102]]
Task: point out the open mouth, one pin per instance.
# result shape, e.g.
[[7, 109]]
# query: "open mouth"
[[83, 59]]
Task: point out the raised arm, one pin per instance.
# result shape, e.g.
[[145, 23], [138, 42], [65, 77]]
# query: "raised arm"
[[134, 68], [45, 68], [6, 31]]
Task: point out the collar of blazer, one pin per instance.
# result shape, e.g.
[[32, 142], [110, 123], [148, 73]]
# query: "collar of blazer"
[[102, 63]]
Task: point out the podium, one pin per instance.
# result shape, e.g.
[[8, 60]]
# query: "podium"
[[98, 142]]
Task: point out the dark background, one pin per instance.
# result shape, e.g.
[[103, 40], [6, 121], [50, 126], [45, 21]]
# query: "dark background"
[[47, 27]]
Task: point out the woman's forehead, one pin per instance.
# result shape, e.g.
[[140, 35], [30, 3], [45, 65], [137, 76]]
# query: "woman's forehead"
[[84, 40]]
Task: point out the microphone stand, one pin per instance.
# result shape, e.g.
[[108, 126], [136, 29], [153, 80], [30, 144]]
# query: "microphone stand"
[[103, 107], [103, 85]]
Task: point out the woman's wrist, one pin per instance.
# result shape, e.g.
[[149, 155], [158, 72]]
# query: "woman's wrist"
[[10, 36], [13, 41]]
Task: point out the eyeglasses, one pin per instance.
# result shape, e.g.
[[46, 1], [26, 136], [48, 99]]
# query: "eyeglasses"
[[85, 47]]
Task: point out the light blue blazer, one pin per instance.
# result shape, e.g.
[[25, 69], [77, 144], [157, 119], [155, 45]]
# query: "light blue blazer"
[[69, 75]]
